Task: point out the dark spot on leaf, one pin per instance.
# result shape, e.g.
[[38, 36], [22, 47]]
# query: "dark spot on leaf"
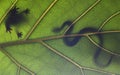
[[19, 34]]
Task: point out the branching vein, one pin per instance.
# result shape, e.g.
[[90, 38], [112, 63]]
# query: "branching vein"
[[40, 19], [62, 36], [16, 62], [108, 19], [71, 60], [83, 14]]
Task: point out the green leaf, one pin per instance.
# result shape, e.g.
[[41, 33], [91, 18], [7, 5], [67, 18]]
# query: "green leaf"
[[41, 51]]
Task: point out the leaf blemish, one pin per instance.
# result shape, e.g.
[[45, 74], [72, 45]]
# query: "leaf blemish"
[[14, 18]]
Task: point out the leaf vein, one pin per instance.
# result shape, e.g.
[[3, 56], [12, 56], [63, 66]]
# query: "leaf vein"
[[3, 17], [40, 19]]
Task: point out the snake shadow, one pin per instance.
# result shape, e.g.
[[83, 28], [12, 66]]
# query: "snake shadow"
[[101, 58]]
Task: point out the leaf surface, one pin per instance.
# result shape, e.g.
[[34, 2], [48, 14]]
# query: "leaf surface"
[[41, 51]]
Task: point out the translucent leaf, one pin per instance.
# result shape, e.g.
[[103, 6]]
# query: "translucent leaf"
[[48, 28]]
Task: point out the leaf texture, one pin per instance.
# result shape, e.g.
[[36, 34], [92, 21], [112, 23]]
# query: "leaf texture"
[[42, 51]]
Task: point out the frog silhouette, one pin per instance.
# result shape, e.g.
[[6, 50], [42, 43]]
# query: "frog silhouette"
[[14, 18]]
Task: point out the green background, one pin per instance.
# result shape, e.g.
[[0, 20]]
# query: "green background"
[[52, 56]]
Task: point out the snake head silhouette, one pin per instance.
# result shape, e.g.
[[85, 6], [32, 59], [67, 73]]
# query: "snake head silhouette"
[[66, 23]]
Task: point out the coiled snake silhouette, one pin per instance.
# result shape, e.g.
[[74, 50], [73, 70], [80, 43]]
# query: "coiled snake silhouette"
[[72, 42]]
